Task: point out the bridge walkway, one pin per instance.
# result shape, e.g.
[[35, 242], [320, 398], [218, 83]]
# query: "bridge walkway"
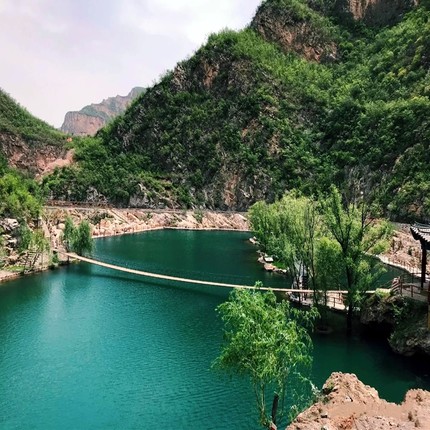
[[334, 297]]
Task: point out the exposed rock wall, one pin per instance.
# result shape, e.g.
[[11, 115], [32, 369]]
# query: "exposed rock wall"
[[91, 118], [348, 404], [293, 33], [405, 319], [375, 12], [81, 124], [33, 157]]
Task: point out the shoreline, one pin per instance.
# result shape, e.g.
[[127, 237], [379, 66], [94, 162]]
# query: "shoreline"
[[171, 228], [119, 222], [112, 222]]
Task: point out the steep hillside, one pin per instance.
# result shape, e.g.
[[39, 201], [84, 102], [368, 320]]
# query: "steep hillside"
[[93, 117], [27, 142], [306, 96]]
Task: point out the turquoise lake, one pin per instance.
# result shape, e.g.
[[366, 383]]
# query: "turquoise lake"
[[85, 347]]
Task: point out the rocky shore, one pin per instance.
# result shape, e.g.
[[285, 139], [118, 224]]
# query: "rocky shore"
[[106, 222], [111, 222], [348, 404]]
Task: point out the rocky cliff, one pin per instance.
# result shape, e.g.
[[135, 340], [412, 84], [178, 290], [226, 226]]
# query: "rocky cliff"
[[402, 318], [91, 118], [375, 12], [33, 157], [296, 29], [348, 404]]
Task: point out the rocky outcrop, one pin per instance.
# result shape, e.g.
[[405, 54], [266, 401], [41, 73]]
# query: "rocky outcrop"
[[412, 339], [91, 118], [405, 319], [375, 12], [381, 310], [295, 31], [34, 157], [82, 124], [298, 28], [348, 404]]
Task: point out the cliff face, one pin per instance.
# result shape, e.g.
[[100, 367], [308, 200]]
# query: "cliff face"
[[348, 404], [375, 12], [81, 124], [34, 157], [308, 31], [294, 29], [91, 118]]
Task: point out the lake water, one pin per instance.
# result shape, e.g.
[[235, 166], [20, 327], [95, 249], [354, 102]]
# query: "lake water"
[[85, 347]]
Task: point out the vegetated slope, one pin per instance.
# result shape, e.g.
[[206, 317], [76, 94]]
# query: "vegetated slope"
[[26, 142], [300, 99], [91, 118]]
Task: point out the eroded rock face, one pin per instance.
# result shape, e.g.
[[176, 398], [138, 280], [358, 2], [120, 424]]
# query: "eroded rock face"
[[349, 404], [91, 118], [375, 12], [407, 321], [33, 157], [293, 34], [414, 340], [81, 124], [296, 30]]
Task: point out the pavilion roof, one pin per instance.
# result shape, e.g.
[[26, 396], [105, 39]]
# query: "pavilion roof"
[[421, 232]]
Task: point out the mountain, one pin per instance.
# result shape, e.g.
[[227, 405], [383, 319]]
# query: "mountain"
[[313, 92], [26, 142], [91, 118]]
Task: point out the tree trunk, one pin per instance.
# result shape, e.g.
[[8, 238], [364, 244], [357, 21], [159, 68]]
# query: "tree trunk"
[[349, 320], [275, 407]]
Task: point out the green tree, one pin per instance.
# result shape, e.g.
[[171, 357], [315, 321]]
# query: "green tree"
[[82, 241], [358, 236], [328, 273], [77, 239], [69, 233], [289, 229], [267, 341], [37, 246], [25, 236]]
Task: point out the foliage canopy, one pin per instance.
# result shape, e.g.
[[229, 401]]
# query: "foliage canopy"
[[266, 341]]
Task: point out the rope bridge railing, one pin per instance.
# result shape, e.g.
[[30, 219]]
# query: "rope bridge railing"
[[193, 281], [182, 273]]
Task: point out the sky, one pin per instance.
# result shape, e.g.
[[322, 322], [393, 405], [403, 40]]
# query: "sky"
[[61, 55]]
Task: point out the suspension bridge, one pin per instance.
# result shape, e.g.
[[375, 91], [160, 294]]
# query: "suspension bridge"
[[335, 298]]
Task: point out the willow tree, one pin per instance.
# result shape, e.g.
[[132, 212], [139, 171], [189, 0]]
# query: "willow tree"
[[289, 229], [77, 239], [68, 233], [268, 342], [82, 241], [359, 236]]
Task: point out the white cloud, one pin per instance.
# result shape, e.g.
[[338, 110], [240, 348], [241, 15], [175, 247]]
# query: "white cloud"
[[61, 55], [194, 19]]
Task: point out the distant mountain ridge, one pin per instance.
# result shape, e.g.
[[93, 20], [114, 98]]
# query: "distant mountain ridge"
[[91, 118]]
